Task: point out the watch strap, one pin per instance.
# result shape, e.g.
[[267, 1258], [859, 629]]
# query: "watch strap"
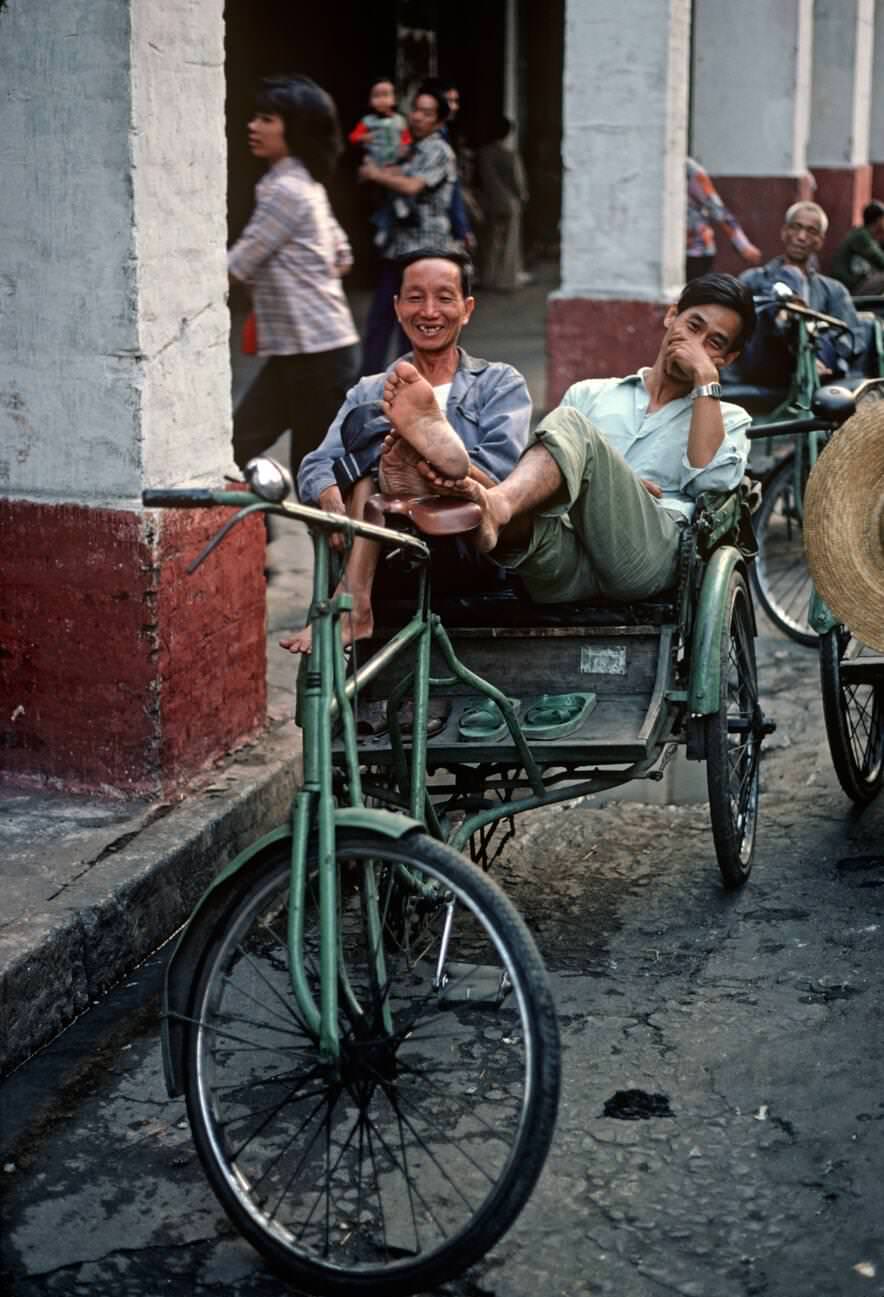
[[707, 389]]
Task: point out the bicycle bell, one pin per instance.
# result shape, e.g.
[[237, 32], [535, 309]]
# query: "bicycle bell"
[[269, 479]]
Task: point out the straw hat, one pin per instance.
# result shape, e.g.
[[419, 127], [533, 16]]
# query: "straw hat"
[[844, 524]]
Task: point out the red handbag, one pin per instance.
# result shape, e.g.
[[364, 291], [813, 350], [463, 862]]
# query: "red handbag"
[[249, 339]]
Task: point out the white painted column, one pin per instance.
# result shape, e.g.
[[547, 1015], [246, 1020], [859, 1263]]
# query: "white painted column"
[[113, 354], [750, 112], [624, 143], [623, 200], [750, 93], [114, 376], [838, 150], [876, 124]]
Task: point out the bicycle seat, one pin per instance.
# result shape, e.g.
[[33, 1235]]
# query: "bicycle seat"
[[434, 515]]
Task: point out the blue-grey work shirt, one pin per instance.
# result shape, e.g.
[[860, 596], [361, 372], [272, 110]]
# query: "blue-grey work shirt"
[[655, 445], [489, 408]]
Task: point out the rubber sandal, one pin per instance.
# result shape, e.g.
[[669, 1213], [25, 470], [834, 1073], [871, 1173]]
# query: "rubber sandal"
[[483, 721], [553, 716], [438, 711]]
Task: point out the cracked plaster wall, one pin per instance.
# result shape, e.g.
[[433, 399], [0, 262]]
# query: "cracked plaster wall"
[[114, 368]]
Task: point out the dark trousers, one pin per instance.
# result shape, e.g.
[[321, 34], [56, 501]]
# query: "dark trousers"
[[302, 393], [381, 322], [697, 266]]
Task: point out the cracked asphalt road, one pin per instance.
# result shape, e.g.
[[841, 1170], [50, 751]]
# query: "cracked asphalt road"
[[750, 1025]]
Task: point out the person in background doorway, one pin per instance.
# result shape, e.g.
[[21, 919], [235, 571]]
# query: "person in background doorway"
[[504, 194], [859, 259], [705, 211], [291, 257], [465, 210]]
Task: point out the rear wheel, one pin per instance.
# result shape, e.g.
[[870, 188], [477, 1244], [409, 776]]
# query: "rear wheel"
[[780, 576], [395, 1167], [852, 684], [733, 741]]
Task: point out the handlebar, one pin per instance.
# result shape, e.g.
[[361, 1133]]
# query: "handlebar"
[[799, 308], [783, 427], [247, 503]]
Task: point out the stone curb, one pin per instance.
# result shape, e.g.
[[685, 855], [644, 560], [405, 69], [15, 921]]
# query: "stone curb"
[[135, 892]]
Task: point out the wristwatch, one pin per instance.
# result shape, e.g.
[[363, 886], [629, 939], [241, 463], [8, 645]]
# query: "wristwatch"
[[707, 389]]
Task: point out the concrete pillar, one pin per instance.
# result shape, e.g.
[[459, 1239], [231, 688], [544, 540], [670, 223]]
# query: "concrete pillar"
[[623, 206], [838, 150], [749, 127], [118, 670], [876, 125]]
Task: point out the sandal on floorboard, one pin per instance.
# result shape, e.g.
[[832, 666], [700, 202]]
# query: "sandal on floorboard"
[[554, 716], [483, 722]]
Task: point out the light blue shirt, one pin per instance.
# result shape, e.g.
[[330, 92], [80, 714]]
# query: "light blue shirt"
[[655, 445]]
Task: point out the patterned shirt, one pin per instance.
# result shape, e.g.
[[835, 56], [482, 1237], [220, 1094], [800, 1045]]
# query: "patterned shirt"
[[705, 208], [655, 446], [292, 254], [429, 222]]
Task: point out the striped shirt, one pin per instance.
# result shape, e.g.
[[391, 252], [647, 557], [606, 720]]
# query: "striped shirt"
[[292, 254]]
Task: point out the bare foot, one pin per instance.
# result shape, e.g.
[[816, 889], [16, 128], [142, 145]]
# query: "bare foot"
[[496, 512], [399, 470], [411, 407], [355, 625]]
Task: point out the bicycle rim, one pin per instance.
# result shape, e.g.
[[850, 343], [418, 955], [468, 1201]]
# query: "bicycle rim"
[[400, 1167], [853, 710], [780, 575]]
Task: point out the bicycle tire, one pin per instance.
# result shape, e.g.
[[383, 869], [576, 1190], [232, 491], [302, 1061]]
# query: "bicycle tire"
[[406, 1167], [733, 742], [854, 718], [780, 576]]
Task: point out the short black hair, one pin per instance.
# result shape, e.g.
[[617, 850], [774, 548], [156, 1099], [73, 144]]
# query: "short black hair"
[[309, 118], [459, 259], [436, 89], [721, 290], [872, 212]]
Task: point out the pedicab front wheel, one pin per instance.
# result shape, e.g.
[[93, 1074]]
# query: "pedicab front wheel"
[[394, 1167], [733, 741]]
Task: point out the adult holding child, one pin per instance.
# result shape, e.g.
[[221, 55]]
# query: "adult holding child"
[[426, 179]]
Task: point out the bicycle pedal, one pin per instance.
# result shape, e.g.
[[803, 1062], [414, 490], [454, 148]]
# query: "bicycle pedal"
[[480, 984]]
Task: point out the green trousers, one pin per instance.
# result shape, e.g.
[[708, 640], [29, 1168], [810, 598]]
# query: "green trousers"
[[602, 533]]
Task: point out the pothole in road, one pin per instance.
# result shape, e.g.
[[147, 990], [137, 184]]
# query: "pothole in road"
[[637, 1105], [859, 865]]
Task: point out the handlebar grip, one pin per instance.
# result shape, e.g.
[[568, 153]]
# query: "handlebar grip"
[[194, 497]]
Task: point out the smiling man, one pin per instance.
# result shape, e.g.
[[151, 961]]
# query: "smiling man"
[[474, 422], [597, 502]]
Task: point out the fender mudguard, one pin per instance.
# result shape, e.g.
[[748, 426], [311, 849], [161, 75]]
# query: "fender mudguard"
[[183, 967], [705, 681]]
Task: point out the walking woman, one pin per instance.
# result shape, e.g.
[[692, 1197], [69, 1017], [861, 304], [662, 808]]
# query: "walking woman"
[[291, 256]]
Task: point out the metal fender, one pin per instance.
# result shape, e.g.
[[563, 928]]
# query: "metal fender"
[[183, 967], [820, 616], [705, 681]]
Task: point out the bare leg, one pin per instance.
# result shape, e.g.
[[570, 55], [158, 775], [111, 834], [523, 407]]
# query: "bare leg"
[[411, 407], [357, 580], [507, 508]]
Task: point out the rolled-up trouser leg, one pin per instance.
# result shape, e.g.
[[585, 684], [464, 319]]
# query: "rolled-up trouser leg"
[[601, 533]]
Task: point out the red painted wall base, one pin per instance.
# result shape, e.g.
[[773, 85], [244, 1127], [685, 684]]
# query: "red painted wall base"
[[118, 671], [598, 338]]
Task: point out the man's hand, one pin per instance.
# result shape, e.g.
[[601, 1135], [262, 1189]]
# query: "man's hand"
[[651, 487], [689, 358], [332, 501], [370, 171]]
